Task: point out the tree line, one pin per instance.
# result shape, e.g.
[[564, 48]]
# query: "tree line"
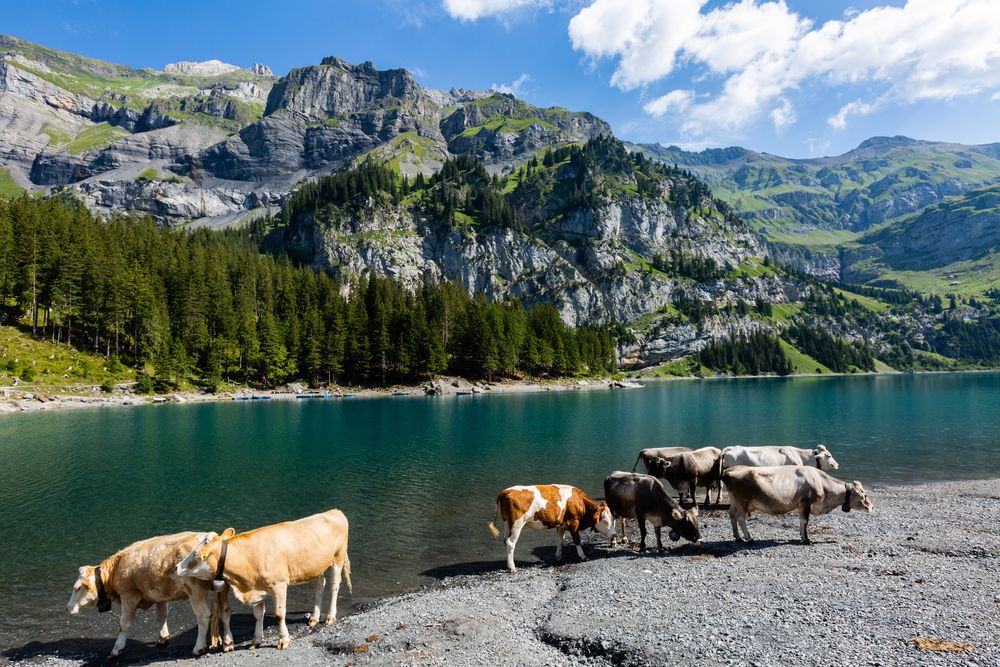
[[209, 305]]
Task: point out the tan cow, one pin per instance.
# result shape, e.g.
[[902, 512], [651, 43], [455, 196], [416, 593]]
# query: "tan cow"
[[544, 506], [142, 575], [818, 457], [783, 489], [266, 561]]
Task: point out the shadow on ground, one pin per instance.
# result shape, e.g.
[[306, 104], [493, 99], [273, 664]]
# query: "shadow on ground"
[[94, 651]]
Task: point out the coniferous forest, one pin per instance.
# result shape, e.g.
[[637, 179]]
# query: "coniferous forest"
[[208, 305]]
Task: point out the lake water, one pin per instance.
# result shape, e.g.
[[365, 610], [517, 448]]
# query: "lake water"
[[416, 476]]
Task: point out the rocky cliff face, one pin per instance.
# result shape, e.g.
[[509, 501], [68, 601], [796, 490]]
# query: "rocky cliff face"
[[97, 127]]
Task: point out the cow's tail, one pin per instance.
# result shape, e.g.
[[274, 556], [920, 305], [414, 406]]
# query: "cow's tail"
[[347, 573], [492, 525], [216, 602], [637, 459], [719, 466]]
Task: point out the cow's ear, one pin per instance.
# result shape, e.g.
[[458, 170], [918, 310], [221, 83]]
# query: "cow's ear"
[[857, 485], [677, 515], [666, 464], [227, 533]]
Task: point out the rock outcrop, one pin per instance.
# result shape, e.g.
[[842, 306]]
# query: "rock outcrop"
[[204, 68]]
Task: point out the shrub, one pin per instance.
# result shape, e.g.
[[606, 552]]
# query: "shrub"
[[143, 383], [107, 386]]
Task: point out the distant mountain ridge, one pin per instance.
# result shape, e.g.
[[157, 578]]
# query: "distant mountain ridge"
[[881, 180]]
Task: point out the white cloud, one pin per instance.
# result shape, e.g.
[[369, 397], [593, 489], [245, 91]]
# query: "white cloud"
[[784, 115], [995, 96], [471, 10], [855, 108], [515, 87], [763, 50], [675, 100]]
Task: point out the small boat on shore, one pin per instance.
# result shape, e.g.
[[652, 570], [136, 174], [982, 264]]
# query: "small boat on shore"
[[261, 397], [400, 393]]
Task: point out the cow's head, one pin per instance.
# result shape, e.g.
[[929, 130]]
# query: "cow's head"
[[825, 459], [196, 564], [84, 591], [604, 522], [859, 498], [685, 524]]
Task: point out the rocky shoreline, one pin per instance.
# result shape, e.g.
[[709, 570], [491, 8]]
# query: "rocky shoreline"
[[34, 399], [922, 567]]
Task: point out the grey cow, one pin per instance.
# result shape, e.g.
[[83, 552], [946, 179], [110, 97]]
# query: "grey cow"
[[632, 495]]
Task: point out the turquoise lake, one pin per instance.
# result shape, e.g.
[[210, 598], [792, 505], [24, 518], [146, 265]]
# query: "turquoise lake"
[[417, 477]]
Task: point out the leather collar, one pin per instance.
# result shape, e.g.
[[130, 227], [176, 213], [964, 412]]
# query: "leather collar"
[[103, 601], [217, 581], [847, 498]]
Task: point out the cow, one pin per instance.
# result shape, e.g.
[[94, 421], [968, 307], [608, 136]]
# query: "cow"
[[651, 457], [632, 495], [543, 506], [142, 575], [783, 489], [685, 471], [818, 457], [266, 561]]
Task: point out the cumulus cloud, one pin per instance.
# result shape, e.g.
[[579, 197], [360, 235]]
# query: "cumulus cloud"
[[471, 10], [515, 87], [675, 100], [783, 115], [855, 108], [762, 50]]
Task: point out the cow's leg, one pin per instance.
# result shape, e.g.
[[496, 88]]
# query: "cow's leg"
[[743, 526], [513, 532], [641, 520], [258, 631], [732, 520], [227, 612], [575, 533], [560, 537], [708, 494], [161, 618], [659, 539], [201, 606], [128, 613], [319, 583], [335, 573], [804, 523], [621, 520], [718, 492], [280, 598]]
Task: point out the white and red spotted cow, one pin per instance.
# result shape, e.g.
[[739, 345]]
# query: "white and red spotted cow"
[[544, 506]]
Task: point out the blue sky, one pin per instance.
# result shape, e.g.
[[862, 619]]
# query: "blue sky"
[[796, 78]]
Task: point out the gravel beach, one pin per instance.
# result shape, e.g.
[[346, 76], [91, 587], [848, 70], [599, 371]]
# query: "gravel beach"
[[924, 564]]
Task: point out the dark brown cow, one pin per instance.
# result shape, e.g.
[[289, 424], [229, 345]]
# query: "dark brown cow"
[[543, 506], [688, 470], [632, 495]]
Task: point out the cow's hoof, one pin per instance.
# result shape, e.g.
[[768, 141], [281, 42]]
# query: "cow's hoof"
[[228, 647], [162, 641], [113, 656], [807, 541], [313, 622], [253, 646], [199, 652], [330, 620], [284, 643]]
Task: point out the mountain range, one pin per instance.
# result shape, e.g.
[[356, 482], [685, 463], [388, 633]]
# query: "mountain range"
[[828, 215], [519, 202]]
